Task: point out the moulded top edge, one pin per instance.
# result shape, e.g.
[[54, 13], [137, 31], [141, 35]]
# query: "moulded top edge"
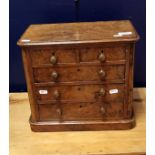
[[79, 33]]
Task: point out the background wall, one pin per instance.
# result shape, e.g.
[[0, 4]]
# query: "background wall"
[[26, 12]]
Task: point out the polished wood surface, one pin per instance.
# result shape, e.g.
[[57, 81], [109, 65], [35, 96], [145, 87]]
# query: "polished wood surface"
[[81, 111], [25, 142], [92, 82], [73, 33], [85, 93], [80, 73], [41, 55]]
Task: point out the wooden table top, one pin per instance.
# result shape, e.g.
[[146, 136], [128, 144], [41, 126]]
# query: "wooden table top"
[[25, 142]]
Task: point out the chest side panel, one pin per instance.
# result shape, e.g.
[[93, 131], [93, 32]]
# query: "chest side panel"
[[30, 81]]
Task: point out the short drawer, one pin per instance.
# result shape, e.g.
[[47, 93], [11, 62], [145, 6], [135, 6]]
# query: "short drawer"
[[46, 56], [103, 55], [84, 93], [113, 73], [81, 111]]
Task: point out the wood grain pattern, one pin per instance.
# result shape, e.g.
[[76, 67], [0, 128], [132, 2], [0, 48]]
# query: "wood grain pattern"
[[80, 71], [42, 55], [25, 142], [81, 111], [82, 92], [91, 54], [74, 33], [30, 81]]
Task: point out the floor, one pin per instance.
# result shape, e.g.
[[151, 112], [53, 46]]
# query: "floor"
[[25, 142]]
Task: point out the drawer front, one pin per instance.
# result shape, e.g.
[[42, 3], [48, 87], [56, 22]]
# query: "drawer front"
[[102, 54], [81, 111], [52, 56], [82, 73], [84, 93], [46, 56]]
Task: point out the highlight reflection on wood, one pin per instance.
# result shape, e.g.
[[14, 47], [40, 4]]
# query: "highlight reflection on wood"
[[25, 142]]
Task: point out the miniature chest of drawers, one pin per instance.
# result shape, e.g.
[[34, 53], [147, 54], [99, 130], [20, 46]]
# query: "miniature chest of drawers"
[[80, 75]]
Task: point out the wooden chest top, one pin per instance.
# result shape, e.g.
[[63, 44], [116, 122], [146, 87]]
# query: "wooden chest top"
[[82, 32]]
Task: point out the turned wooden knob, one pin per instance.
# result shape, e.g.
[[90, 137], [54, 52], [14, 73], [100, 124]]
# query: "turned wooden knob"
[[103, 110], [53, 60], [101, 57], [54, 75], [56, 94], [59, 111], [102, 92], [102, 73]]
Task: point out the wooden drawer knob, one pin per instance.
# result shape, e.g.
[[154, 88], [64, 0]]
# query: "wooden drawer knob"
[[59, 111], [102, 92], [54, 75], [56, 94], [103, 110], [101, 57], [53, 60], [102, 73]]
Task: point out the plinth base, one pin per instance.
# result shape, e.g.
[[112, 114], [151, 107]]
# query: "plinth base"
[[82, 125]]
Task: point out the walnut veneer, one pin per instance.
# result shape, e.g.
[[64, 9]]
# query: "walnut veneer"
[[80, 75]]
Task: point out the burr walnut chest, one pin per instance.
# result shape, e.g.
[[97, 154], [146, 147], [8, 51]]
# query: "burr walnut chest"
[[80, 75]]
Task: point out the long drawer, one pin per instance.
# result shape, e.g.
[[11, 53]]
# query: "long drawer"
[[84, 93], [113, 73], [81, 111]]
